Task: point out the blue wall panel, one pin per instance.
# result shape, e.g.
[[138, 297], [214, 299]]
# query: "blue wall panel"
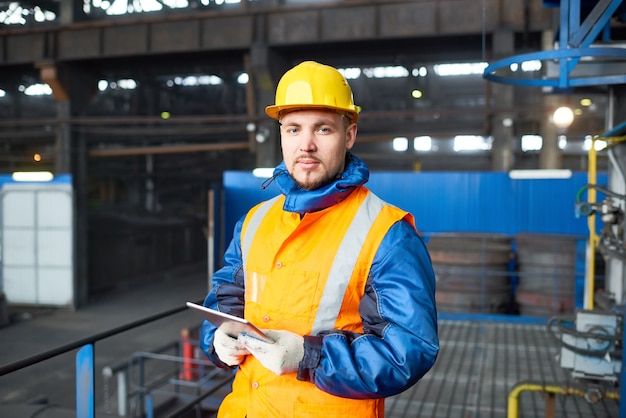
[[488, 202], [452, 201]]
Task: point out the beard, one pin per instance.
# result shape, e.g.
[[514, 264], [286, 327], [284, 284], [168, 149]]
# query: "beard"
[[313, 184], [309, 181]]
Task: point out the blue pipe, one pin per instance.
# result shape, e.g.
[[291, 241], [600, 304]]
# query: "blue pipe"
[[617, 131]]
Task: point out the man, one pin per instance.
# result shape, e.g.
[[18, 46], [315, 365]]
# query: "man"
[[339, 279]]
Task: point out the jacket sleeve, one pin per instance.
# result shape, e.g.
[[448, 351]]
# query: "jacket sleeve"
[[400, 341], [226, 294]]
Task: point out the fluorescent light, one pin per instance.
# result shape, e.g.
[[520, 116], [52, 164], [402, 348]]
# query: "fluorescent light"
[[531, 66], [540, 174], [243, 78], [531, 142], [468, 68], [471, 143], [422, 143], [400, 144], [40, 89], [263, 172], [32, 176], [598, 144], [350, 73], [396, 71]]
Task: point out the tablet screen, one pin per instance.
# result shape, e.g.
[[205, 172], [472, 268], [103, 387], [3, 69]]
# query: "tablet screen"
[[230, 324]]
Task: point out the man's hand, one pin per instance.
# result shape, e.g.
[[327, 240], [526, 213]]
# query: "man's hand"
[[228, 349], [281, 357]]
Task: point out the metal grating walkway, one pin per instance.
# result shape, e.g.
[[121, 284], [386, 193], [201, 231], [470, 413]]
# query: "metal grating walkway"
[[480, 362]]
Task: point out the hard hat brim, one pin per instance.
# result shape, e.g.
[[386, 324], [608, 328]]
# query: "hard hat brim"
[[275, 111]]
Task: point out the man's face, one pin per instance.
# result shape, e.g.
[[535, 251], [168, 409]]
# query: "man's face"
[[314, 145]]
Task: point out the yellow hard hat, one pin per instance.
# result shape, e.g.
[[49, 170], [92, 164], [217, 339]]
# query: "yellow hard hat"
[[311, 85]]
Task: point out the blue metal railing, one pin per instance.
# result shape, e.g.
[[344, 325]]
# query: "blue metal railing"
[[85, 364]]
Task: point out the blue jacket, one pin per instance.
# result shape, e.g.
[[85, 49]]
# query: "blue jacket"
[[400, 341]]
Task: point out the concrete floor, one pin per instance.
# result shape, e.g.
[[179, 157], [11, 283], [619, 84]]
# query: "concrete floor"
[[479, 363]]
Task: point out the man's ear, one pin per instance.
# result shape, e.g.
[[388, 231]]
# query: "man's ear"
[[351, 131]]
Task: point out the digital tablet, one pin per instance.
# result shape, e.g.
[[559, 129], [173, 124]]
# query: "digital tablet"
[[231, 325]]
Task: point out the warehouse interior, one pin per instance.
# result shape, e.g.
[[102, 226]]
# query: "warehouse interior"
[[149, 117]]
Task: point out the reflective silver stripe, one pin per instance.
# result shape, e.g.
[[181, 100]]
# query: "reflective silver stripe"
[[252, 227], [345, 260]]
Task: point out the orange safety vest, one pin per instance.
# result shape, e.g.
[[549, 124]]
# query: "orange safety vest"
[[305, 276]]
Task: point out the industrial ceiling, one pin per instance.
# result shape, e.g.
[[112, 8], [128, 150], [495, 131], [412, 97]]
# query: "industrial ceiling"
[[152, 90]]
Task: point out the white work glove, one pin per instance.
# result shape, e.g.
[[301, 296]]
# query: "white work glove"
[[281, 357], [228, 349]]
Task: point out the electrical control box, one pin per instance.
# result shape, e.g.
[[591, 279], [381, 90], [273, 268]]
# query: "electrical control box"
[[587, 349]]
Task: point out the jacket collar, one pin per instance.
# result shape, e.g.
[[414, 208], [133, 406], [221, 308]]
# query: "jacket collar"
[[302, 201]]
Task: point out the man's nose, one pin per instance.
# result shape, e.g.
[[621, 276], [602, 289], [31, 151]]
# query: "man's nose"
[[307, 142]]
